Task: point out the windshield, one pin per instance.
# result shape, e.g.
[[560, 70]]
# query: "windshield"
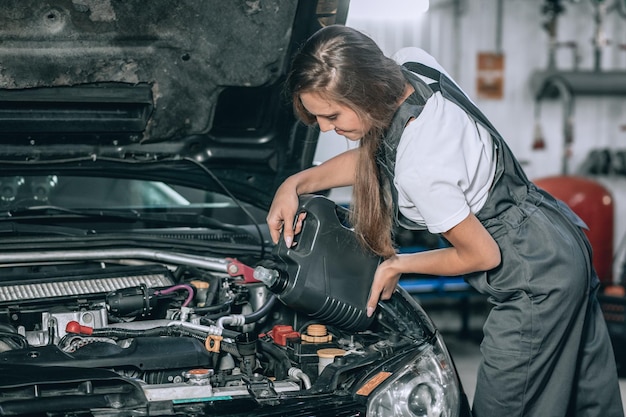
[[94, 193]]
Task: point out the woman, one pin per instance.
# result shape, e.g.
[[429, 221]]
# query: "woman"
[[427, 158]]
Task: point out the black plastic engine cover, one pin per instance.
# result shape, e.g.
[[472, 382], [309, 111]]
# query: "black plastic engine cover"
[[144, 354]]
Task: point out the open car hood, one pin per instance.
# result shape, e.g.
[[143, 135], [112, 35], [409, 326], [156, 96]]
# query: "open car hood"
[[198, 79]]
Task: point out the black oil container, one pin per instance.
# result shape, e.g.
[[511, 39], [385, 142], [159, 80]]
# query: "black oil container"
[[327, 274]]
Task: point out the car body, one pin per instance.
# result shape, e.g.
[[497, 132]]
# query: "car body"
[[140, 146]]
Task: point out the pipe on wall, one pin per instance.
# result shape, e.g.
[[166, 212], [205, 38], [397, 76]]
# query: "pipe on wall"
[[590, 83]]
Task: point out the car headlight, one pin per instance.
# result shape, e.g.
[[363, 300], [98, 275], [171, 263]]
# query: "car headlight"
[[426, 387]]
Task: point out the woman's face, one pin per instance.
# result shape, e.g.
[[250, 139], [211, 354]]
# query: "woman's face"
[[331, 115]]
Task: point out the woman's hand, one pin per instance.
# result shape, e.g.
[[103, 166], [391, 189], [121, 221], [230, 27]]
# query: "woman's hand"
[[280, 218], [385, 280], [473, 249], [338, 171]]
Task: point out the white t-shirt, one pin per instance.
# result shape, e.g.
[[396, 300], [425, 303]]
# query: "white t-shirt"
[[445, 161]]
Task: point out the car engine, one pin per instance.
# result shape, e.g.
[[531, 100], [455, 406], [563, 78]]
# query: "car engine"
[[183, 326]]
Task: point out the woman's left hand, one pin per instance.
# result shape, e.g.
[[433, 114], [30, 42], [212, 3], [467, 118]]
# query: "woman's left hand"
[[385, 280], [473, 249]]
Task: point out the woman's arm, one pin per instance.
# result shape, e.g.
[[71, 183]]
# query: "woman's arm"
[[473, 249], [336, 172]]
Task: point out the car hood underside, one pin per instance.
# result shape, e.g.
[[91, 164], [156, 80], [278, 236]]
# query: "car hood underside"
[[179, 54]]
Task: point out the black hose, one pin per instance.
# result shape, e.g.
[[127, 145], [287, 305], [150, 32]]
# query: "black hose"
[[213, 308], [7, 328], [210, 318], [121, 333], [172, 331], [230, 333], [13, 340], [277, 358], [263, 311]]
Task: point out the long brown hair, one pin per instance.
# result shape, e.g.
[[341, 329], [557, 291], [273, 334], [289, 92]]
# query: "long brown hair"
[[346, 66]]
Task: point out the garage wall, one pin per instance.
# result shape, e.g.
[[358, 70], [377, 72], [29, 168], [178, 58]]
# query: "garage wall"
[[455, 31]]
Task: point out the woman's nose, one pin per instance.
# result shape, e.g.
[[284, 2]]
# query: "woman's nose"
[[325, 125]]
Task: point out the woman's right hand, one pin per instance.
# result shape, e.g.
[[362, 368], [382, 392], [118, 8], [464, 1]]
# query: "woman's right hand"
[[338, 171], [280, 218]]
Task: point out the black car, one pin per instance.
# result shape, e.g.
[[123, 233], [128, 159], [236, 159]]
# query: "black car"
[[140, 146]]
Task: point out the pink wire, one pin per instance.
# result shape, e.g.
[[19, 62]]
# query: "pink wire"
[[179, 287]]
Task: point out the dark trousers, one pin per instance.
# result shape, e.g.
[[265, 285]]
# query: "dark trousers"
[[546, 349]]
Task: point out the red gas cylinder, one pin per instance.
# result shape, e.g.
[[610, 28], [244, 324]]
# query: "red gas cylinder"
[[594, 204]]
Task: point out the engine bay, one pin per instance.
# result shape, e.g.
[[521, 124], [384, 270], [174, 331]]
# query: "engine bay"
[[184, 329]]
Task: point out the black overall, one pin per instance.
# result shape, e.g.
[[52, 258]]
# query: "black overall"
[[546, 350]]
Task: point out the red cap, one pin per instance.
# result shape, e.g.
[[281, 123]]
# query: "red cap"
[[282, 332], [75, 327]]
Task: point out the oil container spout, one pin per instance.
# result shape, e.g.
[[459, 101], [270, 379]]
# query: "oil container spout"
[[274, 279], [266, 276]]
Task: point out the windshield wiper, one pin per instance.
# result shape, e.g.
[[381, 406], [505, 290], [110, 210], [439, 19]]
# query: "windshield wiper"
[[12, 228], [54, 211]]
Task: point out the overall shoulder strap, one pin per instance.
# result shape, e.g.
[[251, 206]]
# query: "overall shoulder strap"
[[451, 92]]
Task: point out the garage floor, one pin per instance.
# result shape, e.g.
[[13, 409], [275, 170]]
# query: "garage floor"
[[464, 343]]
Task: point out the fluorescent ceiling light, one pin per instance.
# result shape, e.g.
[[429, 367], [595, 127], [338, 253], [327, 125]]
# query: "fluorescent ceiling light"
[[387, 9]]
